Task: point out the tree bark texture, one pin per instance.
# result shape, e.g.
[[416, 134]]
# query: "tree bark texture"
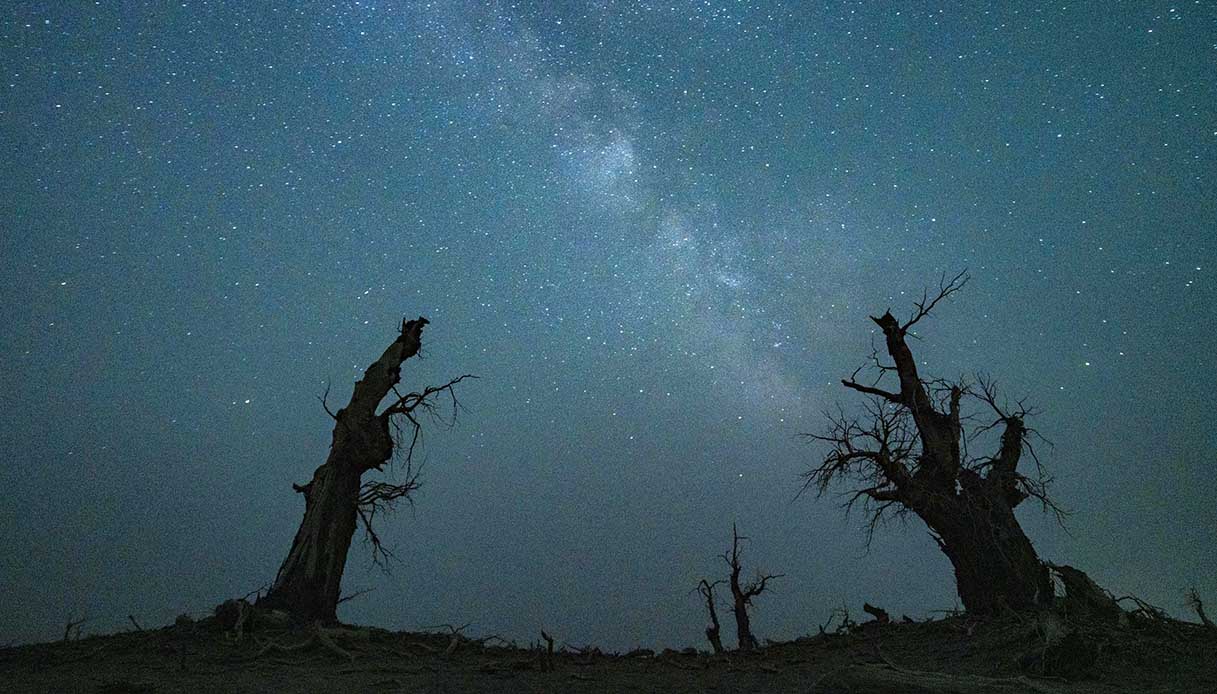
[[308, 582]]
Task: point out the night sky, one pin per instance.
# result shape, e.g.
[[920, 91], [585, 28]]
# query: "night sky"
[[654, 231]]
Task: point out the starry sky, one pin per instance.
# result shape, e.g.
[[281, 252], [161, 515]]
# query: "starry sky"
[[654, 230]]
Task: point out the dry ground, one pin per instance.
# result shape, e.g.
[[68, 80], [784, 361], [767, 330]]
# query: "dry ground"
[[950, 655]]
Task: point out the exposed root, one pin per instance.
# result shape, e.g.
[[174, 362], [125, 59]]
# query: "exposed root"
[[318, 635], [324, 639]]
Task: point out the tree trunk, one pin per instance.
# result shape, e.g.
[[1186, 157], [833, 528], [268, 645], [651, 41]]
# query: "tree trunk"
[[996, 567], [712, 629], [971, 515], [743, 626], [308, 582], [716, 643]]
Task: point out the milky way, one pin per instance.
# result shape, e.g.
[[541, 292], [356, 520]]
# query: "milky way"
[[655, 232]]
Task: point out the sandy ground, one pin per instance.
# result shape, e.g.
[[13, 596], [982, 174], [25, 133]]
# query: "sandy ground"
[[952, 655]]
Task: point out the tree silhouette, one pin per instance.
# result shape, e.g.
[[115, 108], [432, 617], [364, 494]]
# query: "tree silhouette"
[[706, 589], [741, 597], [908, 451], [337, 499]]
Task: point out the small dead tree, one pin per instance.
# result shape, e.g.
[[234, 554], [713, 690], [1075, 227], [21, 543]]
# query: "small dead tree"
[[742, 594], [908, 451], [337, 499], [706, 589], [1194, 602]]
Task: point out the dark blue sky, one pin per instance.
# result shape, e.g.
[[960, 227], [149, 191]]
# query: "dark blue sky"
[[654, 231]]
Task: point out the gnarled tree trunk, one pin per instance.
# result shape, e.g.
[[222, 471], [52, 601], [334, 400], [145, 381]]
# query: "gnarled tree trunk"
[[971, 515], [307, 584], [911, 456], [995, 564]]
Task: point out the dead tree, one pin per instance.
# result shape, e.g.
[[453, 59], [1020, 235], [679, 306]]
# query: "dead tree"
[[1193, 601], [712, 629], [742, 594], [337, 499], [908, 451]]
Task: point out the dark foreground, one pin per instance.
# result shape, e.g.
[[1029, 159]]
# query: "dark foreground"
[[1014, 654]]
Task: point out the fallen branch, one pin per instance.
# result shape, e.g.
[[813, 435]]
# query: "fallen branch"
[[455, 634], [1151, 612], [881, 616], [135, 623]]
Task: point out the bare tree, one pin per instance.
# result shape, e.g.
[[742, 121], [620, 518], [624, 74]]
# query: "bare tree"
[[706, 589], [742, 594], [1194, 602], [908, 451], [337, 499]]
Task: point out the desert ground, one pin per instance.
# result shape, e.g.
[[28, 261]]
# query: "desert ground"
[[1016, 653]]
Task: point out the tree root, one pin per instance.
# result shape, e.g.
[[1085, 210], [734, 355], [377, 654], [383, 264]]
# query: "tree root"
[[324, 639], [319, 635], [422, 646]]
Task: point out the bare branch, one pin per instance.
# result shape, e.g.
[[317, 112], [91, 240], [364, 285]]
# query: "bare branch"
[[878, 450], [869, 390], [927, 304], [1016, 438], [324, 405], [409, 402], [757, 585], [1193, 601], [354, 595], [72, 630], [382, 498]]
